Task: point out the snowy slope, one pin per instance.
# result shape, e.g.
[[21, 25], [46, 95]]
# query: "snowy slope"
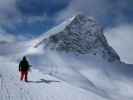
[[40, 87], [108, 80], [78, 82]]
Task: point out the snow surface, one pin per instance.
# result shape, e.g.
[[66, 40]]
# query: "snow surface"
[[83, 78], [108, 80], [39, 87]]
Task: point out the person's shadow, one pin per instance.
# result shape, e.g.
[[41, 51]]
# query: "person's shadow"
[[43, 81]]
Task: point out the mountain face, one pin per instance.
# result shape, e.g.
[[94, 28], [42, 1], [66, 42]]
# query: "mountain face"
[[81, 36]]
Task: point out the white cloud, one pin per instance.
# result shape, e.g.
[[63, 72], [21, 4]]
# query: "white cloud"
[[10, 15], [95, 8], [121, 39], [105, 11], [6, 38], [7, 4], [7, 9]]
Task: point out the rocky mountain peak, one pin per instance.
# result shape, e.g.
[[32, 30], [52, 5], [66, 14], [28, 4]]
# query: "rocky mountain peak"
[[82, 36]]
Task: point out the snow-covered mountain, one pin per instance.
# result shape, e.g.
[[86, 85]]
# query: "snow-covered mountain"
[[76, 54], [82, 35]]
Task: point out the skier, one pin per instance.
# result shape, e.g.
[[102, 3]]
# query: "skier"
[[24, 68]]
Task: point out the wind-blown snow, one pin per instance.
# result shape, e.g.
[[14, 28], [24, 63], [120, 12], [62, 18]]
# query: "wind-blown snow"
[[53, 31]]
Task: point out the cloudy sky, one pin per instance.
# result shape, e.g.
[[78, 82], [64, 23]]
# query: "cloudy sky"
[[30, 18], [37, 16]]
